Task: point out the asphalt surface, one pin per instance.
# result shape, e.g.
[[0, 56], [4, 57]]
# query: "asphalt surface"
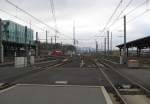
[[70, 73], [10, 72]]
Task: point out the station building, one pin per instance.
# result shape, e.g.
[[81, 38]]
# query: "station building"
[[15, 39]]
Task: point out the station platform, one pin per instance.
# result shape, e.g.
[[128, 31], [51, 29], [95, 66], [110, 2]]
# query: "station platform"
[[54, 94]]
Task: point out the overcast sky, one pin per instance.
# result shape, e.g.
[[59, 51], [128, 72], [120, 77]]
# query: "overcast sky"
[[90, 17]]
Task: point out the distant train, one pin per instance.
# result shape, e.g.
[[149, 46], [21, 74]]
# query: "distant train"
[[56, 53]]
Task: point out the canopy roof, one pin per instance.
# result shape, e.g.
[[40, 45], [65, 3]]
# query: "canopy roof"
[[140, 43]]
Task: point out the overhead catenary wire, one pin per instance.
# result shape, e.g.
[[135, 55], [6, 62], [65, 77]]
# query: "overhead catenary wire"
[[6, 12], [134, 9], [109, 20], [128, 13], [122, 11], [38, 20], [128, 4], [31, 15], [24, 11], [53, 11], [147, 2], [133, 19], [68, 40], [141, 14], [54, 16]]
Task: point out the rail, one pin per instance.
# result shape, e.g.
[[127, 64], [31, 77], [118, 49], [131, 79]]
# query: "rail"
[[11, 81], [103, 65]]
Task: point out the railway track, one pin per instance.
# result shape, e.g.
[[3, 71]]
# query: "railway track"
[[11, 81], [119, 84], [137, 83]]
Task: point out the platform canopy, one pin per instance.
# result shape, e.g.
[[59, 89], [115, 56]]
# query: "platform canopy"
[[139, 43]]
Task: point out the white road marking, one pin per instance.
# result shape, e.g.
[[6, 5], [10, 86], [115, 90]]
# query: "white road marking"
[[61, 82]]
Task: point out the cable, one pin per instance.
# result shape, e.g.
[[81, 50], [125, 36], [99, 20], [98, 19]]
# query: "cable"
[[19, 18], [138, 16], [129, 3], [31, 15], [134, 9], [116, 9], [114, 13], [118, 17], [53, 12], [54, 17], [139, 6]]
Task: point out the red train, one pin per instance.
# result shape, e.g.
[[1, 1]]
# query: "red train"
[[56, 53]]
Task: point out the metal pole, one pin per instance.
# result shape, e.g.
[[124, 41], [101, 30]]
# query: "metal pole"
[[1, 45], [61, 46], [107, 42], [74, 40], [26, 47], [105, 45], [111, 43], [101, 46], [36, 43], [55, 39], [46, 41], [74, 34], [124, 49], [29, 54], [61, 43], [36, 36], [51, 40], [96, 46]]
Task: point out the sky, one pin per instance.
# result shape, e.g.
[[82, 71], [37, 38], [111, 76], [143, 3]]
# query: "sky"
[[89, 17]]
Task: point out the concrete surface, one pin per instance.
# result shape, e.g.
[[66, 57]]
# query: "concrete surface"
[[136, 99], [45, 94]]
